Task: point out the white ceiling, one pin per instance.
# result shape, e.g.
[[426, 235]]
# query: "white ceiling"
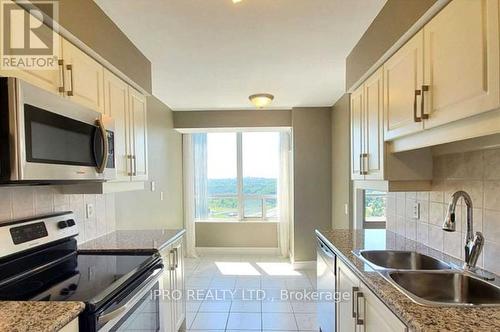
[[213, 54]]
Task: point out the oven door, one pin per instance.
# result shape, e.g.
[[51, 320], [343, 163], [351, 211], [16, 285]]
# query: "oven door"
[[139, 310], [56, 139]]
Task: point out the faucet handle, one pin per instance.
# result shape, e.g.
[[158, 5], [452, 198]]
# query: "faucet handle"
[[473, 250]]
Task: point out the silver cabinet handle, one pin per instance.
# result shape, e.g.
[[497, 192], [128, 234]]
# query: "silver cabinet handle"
[[354, 291], [424, 116], [172, 263], [360, 164], [176, 258], [135, 165], [359, 321], [130, 173], [60, 62], [70, 70], [416, 118], [365, 163]]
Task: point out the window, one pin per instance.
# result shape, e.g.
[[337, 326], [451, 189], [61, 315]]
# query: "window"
[[375, 202], [236, 175]]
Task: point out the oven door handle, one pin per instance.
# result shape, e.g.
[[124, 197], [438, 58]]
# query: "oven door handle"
[[105, 154], [145, 287]]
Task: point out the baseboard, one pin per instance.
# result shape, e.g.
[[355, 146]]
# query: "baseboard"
[[304, 265], [237, 251]]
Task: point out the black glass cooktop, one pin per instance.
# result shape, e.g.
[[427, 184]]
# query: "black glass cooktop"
[[62, 274]]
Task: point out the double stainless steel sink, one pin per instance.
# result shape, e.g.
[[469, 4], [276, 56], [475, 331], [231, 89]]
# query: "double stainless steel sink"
[[402, 260], [429, 281]]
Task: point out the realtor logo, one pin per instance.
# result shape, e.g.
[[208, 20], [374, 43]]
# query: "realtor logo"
[[27, 42]]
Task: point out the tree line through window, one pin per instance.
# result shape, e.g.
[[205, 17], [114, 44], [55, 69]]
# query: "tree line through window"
[[236, 175]]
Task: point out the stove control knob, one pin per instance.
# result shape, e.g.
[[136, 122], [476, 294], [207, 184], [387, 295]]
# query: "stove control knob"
[[73, 287], [70, 222], [62, 224], [64, 292]]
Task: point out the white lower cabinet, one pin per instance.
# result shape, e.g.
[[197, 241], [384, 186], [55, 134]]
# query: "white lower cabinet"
[[362, 310], [173, 305]]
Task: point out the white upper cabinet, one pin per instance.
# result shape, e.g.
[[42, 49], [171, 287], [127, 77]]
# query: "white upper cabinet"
[[84, 82], [369, 152], [461, 61], [449, 71], [403, 78], [138, 126], [50, 80], [374, 131], [357, 124], [116, 106], [367, 135]]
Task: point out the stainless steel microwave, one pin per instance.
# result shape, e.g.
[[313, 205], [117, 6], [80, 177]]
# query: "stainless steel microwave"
[[47, 138]]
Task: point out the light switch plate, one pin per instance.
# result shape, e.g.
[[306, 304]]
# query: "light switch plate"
[[416, 211], [153, 186], [161, 195], [90, 210]]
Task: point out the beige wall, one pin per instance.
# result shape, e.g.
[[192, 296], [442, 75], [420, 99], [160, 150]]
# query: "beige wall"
[[232, 119], [312, 177], [144, 209], [243, 234], [475, 172], [86, 21], [341, 173], [395, 18]]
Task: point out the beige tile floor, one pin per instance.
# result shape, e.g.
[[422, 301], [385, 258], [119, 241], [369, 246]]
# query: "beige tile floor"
[[247, 293]]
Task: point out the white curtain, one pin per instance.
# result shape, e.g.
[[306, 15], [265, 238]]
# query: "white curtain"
[[189, 195], [284, 194]]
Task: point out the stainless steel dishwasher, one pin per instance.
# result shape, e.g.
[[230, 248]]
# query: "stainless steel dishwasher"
[[326, 284]]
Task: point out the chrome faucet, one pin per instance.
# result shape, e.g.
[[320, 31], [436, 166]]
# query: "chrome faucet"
[[473, 242]]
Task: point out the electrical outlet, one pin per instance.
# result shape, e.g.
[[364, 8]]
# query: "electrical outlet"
[[90, 210], [161, 195], [416, 211], [346, 209]]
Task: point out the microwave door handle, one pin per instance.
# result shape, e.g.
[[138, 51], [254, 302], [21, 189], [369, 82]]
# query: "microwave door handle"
[[105, 152]]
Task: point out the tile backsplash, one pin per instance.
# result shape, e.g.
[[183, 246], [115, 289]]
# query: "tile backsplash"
[[477, 173], [20, 202]]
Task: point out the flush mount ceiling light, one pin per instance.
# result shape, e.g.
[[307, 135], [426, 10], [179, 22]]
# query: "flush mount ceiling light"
[[261, 100], [236, 1]]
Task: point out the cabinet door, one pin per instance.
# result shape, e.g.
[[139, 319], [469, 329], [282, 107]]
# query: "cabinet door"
[[116, 106], [167, 304], [357, 106], [48, 79], [180, 304], [461, 61], [84, 78], [373, 129], [402, 83], [138, 123], [347, 283], [376, 316]]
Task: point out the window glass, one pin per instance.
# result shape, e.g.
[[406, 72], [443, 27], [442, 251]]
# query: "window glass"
[[236, 175], [222, 183], [260, 164], [375, 202]]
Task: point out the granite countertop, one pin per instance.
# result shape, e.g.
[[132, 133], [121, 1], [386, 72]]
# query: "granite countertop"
[[137, 240], [416, 317], [37, 316]]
